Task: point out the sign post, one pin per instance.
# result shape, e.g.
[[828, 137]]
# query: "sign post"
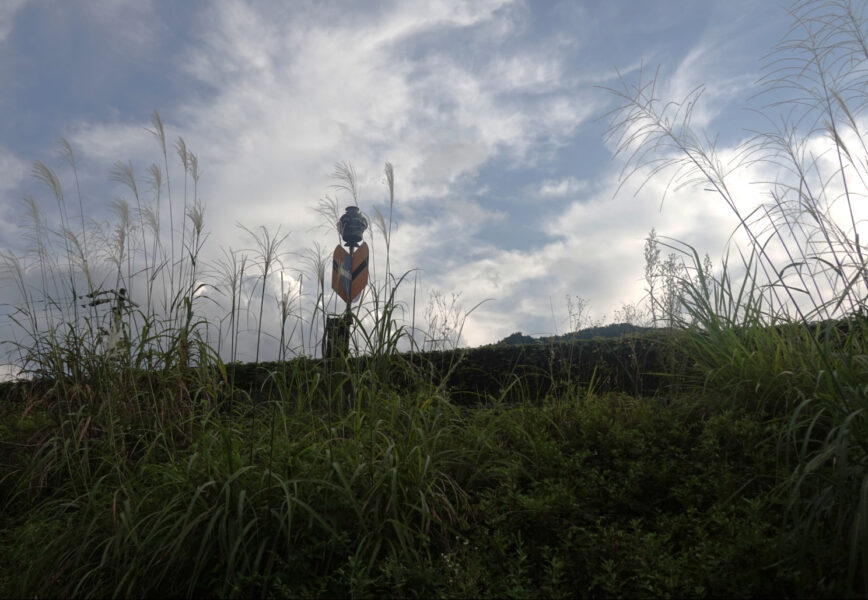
[[349, 271]]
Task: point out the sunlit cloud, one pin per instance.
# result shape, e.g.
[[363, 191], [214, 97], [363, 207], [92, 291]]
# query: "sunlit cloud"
[[489, 112], [564, 187]]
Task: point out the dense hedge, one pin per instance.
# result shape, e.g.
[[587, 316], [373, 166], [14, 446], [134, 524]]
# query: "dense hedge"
[[640, 364]]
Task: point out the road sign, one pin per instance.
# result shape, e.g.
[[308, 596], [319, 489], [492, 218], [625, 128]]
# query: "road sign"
[[350, 276], [360, 271]]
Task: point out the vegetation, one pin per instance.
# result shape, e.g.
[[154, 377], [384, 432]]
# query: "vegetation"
[[136, 462], [764, 330], [389, 495]]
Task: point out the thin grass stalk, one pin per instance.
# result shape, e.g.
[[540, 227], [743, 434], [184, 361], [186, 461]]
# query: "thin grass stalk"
[[160, 135], [181, 150], [66, 151], [268, 246]]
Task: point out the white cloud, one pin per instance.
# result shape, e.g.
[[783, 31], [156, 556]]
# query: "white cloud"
[[290, 99], [12, 173], [136, 24], [569, 186], [596, 252], [8, 9], [534, 73], [282, 92], [107, 144]]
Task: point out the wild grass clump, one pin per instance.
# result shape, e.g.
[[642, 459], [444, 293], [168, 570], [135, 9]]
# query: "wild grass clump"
[[404, 495], [291, 496], [140, 465], [783, 330]]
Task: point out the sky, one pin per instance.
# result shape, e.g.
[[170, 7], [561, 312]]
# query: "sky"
[[493, 113]]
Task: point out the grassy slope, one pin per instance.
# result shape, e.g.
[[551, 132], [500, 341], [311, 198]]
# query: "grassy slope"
[[313, 496], [754, 484]]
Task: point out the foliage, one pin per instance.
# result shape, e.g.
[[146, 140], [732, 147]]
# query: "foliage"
[[394, 494], [766, 331]]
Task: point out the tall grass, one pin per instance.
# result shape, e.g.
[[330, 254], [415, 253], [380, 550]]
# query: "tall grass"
[[153, 471], [134, 291], [141, 466], [156, 479], [782, 327], [315, 496]]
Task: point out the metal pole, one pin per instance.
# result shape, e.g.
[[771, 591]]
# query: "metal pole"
[[348, 319], [349, 316]]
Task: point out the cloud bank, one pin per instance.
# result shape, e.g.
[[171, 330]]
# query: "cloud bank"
[[489, 111]]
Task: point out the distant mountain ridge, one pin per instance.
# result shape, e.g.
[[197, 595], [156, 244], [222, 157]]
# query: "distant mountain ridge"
[[613, 330]]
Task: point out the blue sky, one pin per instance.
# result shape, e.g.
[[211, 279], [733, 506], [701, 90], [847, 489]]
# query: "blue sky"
[[493, 114]]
